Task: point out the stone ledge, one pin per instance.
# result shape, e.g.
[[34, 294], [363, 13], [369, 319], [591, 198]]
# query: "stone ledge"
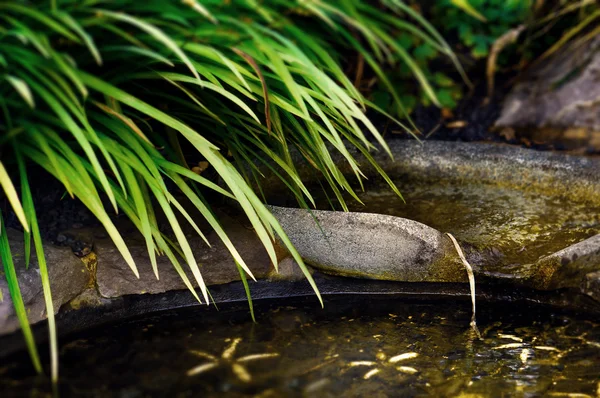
[[68, 278]]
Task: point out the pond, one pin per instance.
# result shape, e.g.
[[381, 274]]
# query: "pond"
[[356, 346]]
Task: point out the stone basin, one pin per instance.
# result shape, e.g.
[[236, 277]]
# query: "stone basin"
[[509, 207], [375, 336]]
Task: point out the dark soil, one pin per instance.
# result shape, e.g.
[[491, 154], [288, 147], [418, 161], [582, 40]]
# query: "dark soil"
[[478, 118], [55, 209], [59, 216], [472, 120]]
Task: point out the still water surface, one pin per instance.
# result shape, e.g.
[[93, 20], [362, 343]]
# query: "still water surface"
[[355, 347]]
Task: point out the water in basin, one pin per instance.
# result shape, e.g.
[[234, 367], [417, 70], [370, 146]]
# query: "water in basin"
[[356, 346], [519, 225]]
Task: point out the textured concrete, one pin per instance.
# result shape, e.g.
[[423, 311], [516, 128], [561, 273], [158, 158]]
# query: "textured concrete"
[[371, 245]]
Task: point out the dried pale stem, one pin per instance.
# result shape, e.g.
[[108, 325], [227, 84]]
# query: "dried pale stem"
[[507, 38], [471, 276]]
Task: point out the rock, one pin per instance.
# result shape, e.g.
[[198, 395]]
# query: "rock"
[[68, 278], [371, 245], [115, 278], [392, 248], [89, 298], [591, 285], [81, 241], [571, 267], [559, 99], [287, 270]]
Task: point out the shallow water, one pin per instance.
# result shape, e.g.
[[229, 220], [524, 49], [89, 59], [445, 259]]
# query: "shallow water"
[[370, 346], [521, 226]]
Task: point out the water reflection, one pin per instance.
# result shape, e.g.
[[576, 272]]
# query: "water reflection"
[[355, 347]]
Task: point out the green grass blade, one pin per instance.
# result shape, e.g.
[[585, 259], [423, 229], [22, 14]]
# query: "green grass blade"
[[155, 32], [87, 39], [22, 88], [79, 135], [15, 294], [133, 184], [247, 289], [231, 177], [40, 16], [13, 198], [44, 275]]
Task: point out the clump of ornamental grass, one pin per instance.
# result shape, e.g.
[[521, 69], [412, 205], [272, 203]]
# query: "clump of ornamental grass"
[[103, 96]]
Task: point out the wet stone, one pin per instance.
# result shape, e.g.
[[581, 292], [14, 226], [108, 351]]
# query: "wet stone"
[[68, 278], [288, 270], [591, 285], [371, 245], [578, 268], [115, 278]]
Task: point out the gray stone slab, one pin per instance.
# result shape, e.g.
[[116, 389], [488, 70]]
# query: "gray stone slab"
[[114, 277], [559, 96], [575, 266], [371, 245], [68, 278]]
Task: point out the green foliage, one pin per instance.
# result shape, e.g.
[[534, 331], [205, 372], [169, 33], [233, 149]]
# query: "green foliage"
[[477, 35], [15, 295], [473, 26], [444, 91], [107, 97]]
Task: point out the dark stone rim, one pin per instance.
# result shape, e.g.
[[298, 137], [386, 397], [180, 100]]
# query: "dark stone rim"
[[528, 169], [128, 307]]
